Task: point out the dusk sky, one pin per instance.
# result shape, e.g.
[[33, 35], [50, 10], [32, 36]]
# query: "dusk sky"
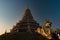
[[11, 11]]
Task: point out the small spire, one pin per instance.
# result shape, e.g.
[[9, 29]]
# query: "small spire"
[[27, 6], [5, 31]]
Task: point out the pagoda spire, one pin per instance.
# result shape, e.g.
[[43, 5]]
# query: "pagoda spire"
[[27, 23], [27, 6], [27, 15]]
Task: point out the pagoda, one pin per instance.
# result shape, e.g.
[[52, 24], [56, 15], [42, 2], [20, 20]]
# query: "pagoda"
[[26, 24]]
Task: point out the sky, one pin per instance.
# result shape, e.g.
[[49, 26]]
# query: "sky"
[[11, 11]]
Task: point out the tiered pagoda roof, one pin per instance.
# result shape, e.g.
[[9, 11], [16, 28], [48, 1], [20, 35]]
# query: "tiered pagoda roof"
[[27, 23]]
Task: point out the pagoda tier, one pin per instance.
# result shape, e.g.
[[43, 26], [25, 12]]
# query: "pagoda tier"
[[26, 24]]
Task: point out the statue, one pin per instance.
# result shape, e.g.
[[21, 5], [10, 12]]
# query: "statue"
[[46, 30]]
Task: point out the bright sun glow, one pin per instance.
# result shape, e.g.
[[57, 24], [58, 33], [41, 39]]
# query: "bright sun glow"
[[1, 28], [4, 27]]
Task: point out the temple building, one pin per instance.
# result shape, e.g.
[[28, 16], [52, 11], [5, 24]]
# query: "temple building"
[[26, 24]]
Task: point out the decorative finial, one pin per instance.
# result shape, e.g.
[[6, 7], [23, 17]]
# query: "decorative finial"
[[27, 6], [5, 31]]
